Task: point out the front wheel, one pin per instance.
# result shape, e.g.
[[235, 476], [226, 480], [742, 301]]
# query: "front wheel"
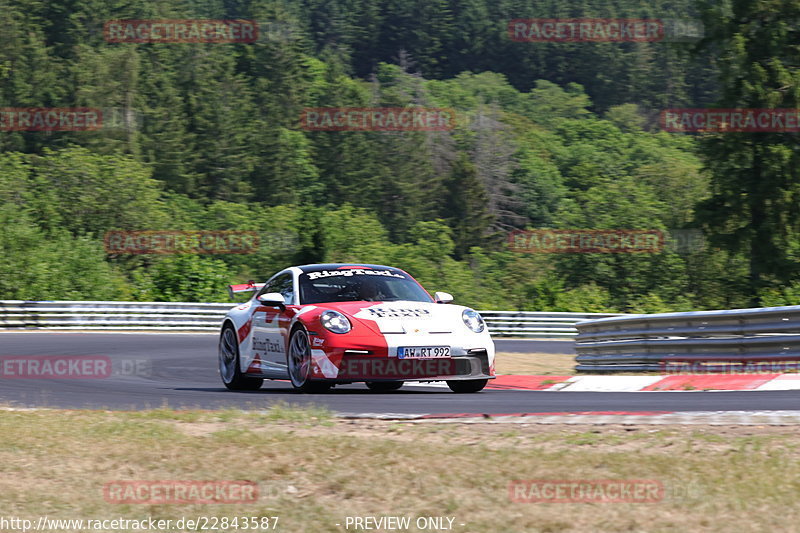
[[229, 369], [384, 386], [298, 362], [469, 385]]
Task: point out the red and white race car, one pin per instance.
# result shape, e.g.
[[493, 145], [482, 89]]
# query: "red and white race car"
[[319, 325]]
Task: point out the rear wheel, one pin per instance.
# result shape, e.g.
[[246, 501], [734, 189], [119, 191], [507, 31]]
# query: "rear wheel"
[[469, 385], [298, 362], [229, 366], [384, 386]]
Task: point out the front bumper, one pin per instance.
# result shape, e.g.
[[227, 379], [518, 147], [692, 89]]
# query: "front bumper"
[[349, 358], [464, 367]]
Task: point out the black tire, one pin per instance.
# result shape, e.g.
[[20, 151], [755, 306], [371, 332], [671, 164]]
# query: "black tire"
[[469, 385], [384, 386], [229, 365], [298, 364]]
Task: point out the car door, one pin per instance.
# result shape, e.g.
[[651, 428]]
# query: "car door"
[[270, 326]]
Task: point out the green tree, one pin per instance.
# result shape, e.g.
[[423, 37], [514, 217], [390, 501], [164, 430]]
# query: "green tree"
[[36, 265], [87, 193], [754, 208], [182, 278], [466, 207]]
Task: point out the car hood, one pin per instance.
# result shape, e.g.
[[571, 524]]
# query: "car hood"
[[404, 316]]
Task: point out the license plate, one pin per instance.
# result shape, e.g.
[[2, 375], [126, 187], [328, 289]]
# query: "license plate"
[[423, 352]]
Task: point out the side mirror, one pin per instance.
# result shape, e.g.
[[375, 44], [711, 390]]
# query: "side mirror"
[[443, 297], [271, 299]]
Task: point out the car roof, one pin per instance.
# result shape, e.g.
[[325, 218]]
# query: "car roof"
[[334, 266]]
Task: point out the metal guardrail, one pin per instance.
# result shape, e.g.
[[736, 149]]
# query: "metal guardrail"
[[536, 323], [112, 315], [165, 316], [706, 341]]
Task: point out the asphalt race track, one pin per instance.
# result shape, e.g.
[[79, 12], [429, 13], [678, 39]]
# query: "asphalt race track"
[[179, 371]]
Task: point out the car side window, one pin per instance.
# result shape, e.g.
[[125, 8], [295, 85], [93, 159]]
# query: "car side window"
[[286, 288], [282, 284]]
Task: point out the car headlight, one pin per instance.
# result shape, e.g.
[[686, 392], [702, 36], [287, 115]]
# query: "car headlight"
[[473, 320], [335, 321]]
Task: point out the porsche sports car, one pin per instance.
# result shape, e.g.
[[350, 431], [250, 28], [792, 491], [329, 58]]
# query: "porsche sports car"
[[327, 324]]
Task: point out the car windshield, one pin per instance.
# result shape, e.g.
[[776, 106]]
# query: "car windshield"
[[353, 285]]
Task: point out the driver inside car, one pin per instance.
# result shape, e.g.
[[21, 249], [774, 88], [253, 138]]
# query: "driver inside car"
[[368, 290]]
